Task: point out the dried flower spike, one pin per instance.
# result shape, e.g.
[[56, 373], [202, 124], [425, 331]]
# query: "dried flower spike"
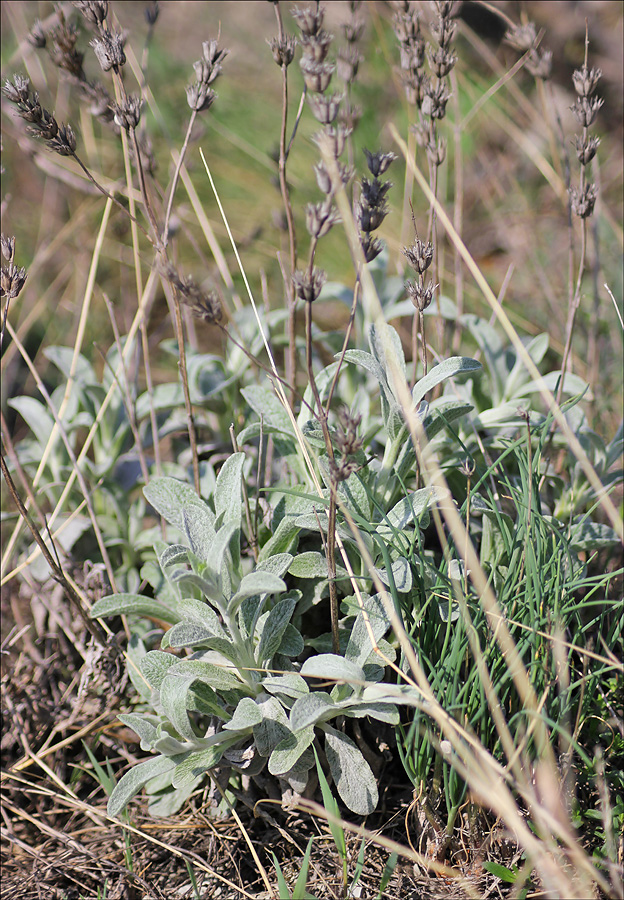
[[283, 50], [379, 162], [94, 11], [419, 255], [308, 285], [109, 50], [128, 112]]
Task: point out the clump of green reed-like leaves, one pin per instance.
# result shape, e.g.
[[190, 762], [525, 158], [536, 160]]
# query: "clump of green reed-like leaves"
[[465, 604]]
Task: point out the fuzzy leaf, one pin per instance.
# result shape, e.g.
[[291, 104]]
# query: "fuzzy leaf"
[[132, 604], [36, 417], [454, 365], [274, 628], [289, 751], [383, 712], [134, 780], [310, 709], [267, 406], [155, 665], [173, 691], [197, 611], [353, 776], [174, 554], [283, 540], [198, 527], [587, 535], [409, 508], [218, 562], [360, 646], [218, 677], [290, 685], [190, 634], [331, 667], [227, 495], [146, 727], [292, 642], [378, 339], [276, 565], [196, 764], [310, 564], [273, 728], [246, 715], [258, 583], [171, 497]]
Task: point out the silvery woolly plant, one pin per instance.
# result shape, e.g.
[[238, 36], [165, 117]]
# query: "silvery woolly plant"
[[239, 700]]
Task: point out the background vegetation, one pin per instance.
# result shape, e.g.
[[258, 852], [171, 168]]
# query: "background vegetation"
[[379, 654]]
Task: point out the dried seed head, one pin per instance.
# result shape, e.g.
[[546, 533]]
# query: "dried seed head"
[[128, 112], [586, 148], [468, 467], [586, 80], [321, 218], [443, 31], [446, 9], [371, 247], [308, 286], [348, 117], [99, 101], [406, 26], [521, 37], [199, 96], [208, 68], [316, 46], [370, 218], [419, 255], [346, 438], [420, 295], [412, 55], [152, 11], [325, 108], [353, 30], [347, 64], [332, 139], [283, 50], [379, 162], [441, 61], [309, 19], [203, 305], [539, 64], [7, 245], [30, 109], [415, 83], [435, 99], [62, 47], [422, 132], [94, 11], [37, 37], [65, 141], [19, 91], [583, 200], [348, 445], [109, 50], [373, 192], [316, 75], [45, 127], [323, 178], [585, 110], [12, 281], [436, 151], [212, 54]]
